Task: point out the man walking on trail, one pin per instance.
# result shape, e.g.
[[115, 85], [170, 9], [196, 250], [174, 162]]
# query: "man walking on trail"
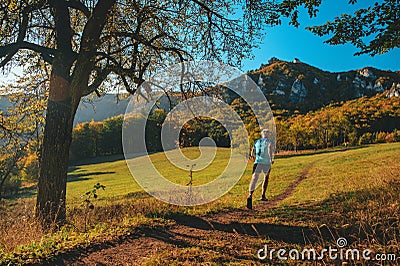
[[262, 151]]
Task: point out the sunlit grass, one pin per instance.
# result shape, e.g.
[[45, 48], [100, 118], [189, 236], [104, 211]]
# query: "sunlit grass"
[[347, 171], [331, 172], [120, 183]]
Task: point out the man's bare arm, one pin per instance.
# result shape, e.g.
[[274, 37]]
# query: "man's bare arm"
[[270, 153]]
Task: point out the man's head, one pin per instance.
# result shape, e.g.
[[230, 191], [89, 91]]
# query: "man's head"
[[264, 133]]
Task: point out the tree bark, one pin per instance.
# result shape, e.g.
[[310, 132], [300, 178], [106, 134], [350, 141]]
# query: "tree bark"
[[51, 197]]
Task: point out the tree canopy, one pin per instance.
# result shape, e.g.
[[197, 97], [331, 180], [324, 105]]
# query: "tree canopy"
[[374, 29], [94, 40]]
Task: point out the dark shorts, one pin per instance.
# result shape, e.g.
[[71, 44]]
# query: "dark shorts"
[[257, 168]]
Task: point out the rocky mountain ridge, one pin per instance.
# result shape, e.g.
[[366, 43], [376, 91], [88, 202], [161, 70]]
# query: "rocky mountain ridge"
[[297, 85]]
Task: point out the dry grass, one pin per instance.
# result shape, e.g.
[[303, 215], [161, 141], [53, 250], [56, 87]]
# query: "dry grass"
[[17, 224]]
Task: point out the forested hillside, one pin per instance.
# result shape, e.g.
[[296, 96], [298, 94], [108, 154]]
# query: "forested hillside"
[[361, 121]]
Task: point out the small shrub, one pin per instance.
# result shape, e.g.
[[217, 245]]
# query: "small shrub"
[[396, 134], [390, 138], [380, 137], [31, 168], [87, 202], [366, 138]]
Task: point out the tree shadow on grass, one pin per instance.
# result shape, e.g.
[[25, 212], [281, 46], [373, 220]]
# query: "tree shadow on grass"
[[289, 234], [85, 176], [23, 193], [334, 211], [325, 221], [146, 237], [322, 151], [97, 160]]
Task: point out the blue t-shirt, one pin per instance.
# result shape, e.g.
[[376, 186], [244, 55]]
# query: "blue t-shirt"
[[261, 151]]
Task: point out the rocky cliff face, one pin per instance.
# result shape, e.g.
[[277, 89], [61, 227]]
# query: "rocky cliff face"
[[394, 91], [298, 91], [290, 85]]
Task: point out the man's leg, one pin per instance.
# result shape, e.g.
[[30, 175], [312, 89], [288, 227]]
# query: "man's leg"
[[265, 185], [253, 183], [252, 187]]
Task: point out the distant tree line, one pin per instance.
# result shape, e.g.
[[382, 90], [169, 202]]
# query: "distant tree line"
[[92, 139], [196, 129], [356, 122]]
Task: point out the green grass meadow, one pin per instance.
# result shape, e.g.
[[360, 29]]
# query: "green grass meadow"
[[340, 170]]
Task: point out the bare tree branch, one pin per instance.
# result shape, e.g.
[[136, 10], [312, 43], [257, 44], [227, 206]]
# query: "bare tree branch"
[[209, 10], [9, 50], [63, 27], [89, 43], [78, 5], [101, 76]]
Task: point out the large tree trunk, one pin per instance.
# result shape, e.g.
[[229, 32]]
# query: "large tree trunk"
[[64, 97], [50, 205]]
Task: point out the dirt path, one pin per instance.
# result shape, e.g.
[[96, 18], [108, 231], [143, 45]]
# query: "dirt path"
[[220, 233]]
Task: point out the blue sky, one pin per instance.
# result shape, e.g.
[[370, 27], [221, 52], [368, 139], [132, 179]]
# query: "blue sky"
[[287, 42]]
